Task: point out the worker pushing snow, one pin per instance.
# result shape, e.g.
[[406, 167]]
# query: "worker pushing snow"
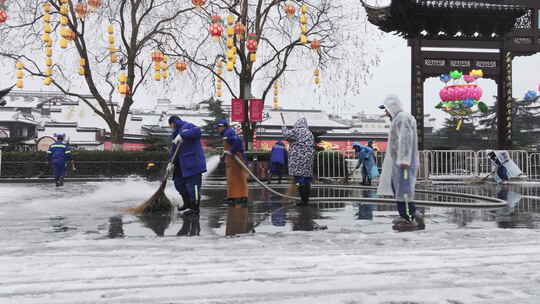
[[504, 166], [400, 166], [59, 155]]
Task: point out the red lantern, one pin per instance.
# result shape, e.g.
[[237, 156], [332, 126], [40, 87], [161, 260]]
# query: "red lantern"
[[94, 4], [157, 56], [290, 10], [216, 30], [181, 66], [3, 16], [198, 3], [315, 44], [251, 43], [81, 9], [239, 29]]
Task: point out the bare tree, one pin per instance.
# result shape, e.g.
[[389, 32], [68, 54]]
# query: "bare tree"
[[138, 26], [278, 38]]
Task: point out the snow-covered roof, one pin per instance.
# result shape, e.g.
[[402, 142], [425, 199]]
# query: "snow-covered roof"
[[315, 119], [8, 115]]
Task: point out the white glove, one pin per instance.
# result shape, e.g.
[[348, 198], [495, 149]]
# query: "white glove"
[[177, 140], [170, 168]]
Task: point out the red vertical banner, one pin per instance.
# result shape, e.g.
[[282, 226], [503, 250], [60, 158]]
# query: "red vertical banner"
[[237, 110], [256, 107]]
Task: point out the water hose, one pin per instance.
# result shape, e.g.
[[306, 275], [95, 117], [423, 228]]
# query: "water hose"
[[486, 202]]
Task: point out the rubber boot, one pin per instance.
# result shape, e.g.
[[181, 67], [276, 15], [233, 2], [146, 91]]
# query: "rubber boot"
[[61, 181], [185, 204], [369, 181]]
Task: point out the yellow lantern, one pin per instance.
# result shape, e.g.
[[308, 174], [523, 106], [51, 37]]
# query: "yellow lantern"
[[219, 72], [157, 67], [64, 1], [19, 74], [230, 66], [48, 62], [112, 49], [63, 43], [303, 9], [219, 64], [276, 85], [316, 73], [82, 71], [47, 28], [64, 9], [47, 81], [111, 39], [114, 58], [157, 76], [303, 19], [219, 94], [303, 29], [19, 65], [252, 57], [122, 78], [165, 75], [46, 7], [110, 29], [230, 31], [230, 54], [19, 84], [64, 20], [303, 39], [219, 85], [230, 20], [276, 92], [46, 37], [317, 80], [164, 66], [234, 50], [234, 60], [276, 99], [49, 43], [47, 18], [82, 62], [48, 72], [230, 43], [48, 52]]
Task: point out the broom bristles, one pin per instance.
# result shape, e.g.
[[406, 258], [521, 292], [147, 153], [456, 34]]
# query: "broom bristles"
[[158, 202]]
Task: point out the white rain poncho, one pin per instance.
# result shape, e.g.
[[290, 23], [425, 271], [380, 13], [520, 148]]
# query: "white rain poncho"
[[402, 149]]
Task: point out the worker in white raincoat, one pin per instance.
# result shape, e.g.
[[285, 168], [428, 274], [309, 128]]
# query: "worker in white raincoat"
[[398, 177]]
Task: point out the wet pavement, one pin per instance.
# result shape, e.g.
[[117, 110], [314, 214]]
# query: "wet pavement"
[[41, 213]]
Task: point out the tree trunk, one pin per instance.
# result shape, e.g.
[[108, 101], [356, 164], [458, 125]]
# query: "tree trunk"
[[117, 136], [247, 130]]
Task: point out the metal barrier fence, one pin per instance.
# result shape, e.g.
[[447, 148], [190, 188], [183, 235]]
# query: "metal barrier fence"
[[334, 164]]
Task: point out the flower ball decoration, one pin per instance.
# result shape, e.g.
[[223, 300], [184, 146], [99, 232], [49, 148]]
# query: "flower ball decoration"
[[530, 97], [216, 28], [462, 97]]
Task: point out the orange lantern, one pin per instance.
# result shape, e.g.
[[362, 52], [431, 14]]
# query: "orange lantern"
[[239, 30], [198, 3], [157, 56], [251, 43], [123, 89], [81, 10], [71, 35], [181, 66], [290, 10], [315, 44], [94, 4], [47, 81], [47, 7], [3, 16]]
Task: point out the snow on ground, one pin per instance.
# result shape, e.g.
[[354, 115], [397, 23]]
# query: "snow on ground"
[[354, 261]]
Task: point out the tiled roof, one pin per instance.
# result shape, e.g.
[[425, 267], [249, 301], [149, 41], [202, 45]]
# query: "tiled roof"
[[466, 4]]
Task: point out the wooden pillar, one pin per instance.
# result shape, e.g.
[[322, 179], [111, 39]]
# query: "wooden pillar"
[[504, 102], [417, 90]]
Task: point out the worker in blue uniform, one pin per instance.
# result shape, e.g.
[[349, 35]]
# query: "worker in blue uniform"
[[59, 155], [189, 164]]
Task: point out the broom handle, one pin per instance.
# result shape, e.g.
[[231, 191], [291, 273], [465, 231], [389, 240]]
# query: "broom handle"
[[172, 160], [282, 119]]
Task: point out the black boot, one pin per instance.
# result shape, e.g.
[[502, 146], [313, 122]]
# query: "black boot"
[[369, 181], [61, 181], [185, 204], [57, 181]]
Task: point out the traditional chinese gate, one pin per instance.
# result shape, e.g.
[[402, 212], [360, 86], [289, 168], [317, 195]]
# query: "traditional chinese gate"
[[497, 31]]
